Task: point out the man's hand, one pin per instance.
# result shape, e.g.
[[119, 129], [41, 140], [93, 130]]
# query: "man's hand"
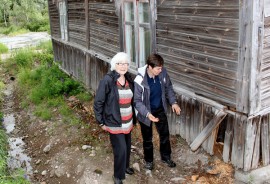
[[152, 118], [176, 109]]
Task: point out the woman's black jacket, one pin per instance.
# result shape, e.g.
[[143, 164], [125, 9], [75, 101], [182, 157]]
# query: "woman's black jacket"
[[106, 105]]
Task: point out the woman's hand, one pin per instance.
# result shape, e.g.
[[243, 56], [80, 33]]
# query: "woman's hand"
[[104, 127], [176, 109]]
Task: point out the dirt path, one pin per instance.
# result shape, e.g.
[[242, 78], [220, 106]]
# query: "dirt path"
[[82, 154]]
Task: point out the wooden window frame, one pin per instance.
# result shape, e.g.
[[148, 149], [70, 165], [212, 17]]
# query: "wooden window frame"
[[151, 26], [63, 20]]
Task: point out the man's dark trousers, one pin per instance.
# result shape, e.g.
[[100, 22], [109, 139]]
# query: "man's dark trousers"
[[164, 136]]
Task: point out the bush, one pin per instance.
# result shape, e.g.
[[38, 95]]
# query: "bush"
[[37, 25]]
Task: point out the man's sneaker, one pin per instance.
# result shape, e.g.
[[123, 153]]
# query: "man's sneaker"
[[169, 162], [149, 165]]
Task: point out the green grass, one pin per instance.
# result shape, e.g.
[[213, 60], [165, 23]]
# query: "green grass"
[[84, 96], [3, 48], [42, 83]]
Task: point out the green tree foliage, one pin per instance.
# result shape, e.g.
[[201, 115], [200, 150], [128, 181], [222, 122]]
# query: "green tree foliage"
[[5, 10], [29, 14]]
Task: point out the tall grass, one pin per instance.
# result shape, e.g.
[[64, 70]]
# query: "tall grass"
[[3, 48], [42, 83]]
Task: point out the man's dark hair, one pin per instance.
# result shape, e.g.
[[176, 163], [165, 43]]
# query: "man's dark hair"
[[155, 60]]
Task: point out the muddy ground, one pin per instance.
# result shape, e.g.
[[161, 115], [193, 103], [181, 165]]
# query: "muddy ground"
[[82, 154]]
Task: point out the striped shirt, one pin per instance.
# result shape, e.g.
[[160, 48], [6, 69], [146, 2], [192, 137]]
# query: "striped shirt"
[[125, 97]]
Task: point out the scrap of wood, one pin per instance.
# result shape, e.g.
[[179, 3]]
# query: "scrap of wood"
[[214, 123]]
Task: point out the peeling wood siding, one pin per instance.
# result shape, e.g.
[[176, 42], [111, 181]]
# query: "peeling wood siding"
[[54, 19], [104, 28], [199, 42], [76, 22], [265, 80]]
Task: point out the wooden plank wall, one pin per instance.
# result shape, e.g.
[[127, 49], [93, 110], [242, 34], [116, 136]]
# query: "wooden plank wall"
[[54, 18], [265, 74], [73, 62], [199, 42], [104, 28], [246, 142], [76, 22]]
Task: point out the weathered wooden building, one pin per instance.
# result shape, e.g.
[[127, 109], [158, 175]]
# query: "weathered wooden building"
[[217, 53]]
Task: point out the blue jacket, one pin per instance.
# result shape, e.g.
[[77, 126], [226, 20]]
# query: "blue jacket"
[[106, 104], [142, 93]]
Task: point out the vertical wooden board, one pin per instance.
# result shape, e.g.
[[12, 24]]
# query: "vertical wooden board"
[[87, 71], [203, 112], [93, 64], [197, 115], [250, 137], [211, 141], [265, 140], [64, 57], [99, 70], [212, 138], [183, 118], [73, 64], [66, 60], [228, 139], [238, 141], [207, 118], [75, 71], [188, 121], [256, 152], [79, 65], [234, 141], [192, 129], [83, 66], [61, 56], [244, 56]]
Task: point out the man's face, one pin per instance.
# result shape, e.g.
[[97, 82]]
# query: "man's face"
[[156, 70]]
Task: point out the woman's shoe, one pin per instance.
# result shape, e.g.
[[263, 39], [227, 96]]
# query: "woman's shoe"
[[130, 171]]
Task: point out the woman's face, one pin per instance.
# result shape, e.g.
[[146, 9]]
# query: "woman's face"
[[121, 67]]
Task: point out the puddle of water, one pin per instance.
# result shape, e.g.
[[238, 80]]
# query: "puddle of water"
[[16, 158], [9, 123]]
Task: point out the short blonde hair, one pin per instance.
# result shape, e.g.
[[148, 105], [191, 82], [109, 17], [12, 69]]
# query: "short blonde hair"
[[120, 56]]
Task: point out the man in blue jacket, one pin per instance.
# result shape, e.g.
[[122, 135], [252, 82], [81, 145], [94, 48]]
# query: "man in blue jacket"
[[152, 90]]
